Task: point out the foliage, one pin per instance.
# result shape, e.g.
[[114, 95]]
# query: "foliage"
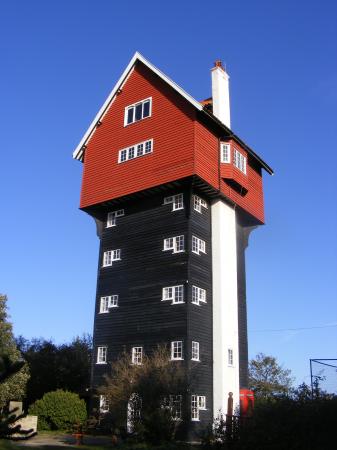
[[267, 378], [154, 380], [59, 410], [293, 422], [53, 367], [13, 387]]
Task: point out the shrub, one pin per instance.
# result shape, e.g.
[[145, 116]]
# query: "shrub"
[[59, 410]]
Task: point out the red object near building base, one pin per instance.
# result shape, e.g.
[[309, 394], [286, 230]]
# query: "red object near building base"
[[246, 402]]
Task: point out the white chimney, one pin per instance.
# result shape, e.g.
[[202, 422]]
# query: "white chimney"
[[220, 94]]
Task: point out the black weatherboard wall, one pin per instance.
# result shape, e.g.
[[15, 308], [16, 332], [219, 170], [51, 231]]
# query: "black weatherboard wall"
[[142, 318]]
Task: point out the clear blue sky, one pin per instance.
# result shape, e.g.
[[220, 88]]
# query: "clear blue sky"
[[59, 61]]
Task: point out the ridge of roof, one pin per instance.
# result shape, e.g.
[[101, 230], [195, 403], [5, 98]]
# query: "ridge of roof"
[[79, 151]]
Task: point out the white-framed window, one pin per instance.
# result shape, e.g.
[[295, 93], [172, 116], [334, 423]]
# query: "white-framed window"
[[225, 153], [103, 404], [195, 351], [199, 203], [102, 353], [174, 293], [177, 350], [135, 151], [240, 161], [110, 256], [138, 111], [194, 408], [176, 244], [175, 406], [107, 302], [201, 402], [104, 305], [111, 217], [198, 402], [137, 355], [230, 357], [198, 245], [198, 295], [176, 200]]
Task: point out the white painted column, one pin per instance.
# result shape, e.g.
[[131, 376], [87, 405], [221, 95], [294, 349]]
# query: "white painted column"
[[225, 307]]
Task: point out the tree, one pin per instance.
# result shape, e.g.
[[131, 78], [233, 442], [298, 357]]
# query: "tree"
[[143, 394], [267, 378], [13, 386], [53, 367]]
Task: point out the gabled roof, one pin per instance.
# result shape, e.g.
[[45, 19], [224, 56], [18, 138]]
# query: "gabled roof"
[[78, 153]]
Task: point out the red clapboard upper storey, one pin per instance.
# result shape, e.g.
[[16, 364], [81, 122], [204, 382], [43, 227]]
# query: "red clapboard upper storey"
[[150, 132]]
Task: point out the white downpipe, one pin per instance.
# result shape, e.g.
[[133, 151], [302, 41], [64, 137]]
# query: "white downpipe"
[[225, 307]]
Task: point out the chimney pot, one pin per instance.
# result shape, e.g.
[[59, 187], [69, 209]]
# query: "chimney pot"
[[218, 63]]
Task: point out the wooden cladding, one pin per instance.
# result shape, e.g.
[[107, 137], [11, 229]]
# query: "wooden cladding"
[[182, 146]]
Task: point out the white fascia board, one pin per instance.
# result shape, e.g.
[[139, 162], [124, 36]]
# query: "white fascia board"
[[78, 153]]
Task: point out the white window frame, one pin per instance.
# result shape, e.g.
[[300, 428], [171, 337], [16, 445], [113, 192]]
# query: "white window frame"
[[240, 161], [102, 354], [201, 402], [109, 256], [132, 152], [111, 217], [199, 203], [104, 305], [173, 243], [103, 404], [137, 356], [198, 245], [177, 348], [195, 351], [198, 403], [230, 357], [134, 111], [174, 293], [177, 201], [199, 295], [225, 152], [194, 408]]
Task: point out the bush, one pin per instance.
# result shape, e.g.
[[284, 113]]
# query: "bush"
[[59, 410]]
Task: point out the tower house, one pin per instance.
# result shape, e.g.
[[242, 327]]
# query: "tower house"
[[174, 193]]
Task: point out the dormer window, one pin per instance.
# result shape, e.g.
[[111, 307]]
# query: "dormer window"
[[240, 161], [138, 111], [225, 153]]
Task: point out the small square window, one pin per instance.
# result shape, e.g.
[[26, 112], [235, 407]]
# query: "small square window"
[[177, 350], [110, 256], [102, 355], [137, 355], [199, 203], [195, 351], [198, 245], [176, 200], [225, 153], [131, 153], [174, 243], [104, 305]]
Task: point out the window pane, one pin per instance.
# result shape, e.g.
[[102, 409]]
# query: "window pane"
[[148, 146], [139, 108], [146, 108], [131, 152], [140, 149], [130, 115]]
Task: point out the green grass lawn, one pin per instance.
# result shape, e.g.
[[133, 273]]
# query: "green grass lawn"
[[12, 445]]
